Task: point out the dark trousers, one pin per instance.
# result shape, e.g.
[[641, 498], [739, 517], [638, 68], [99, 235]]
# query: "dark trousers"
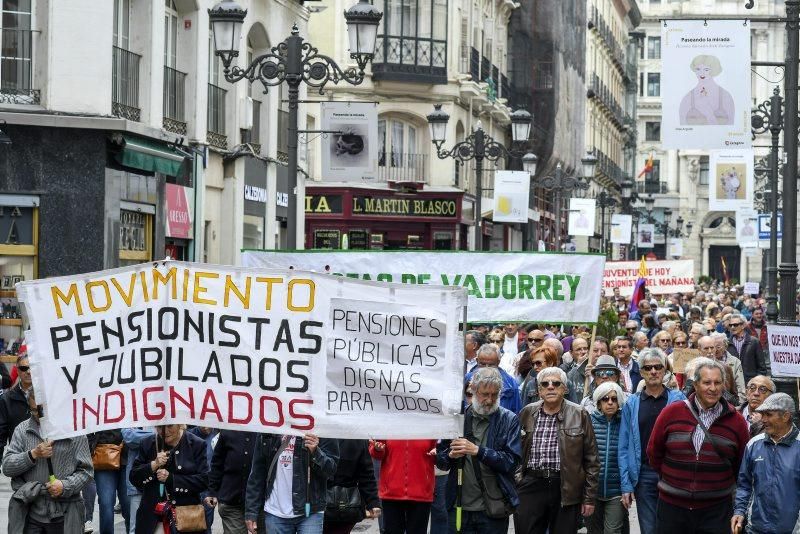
[[711, 520], [405, 517], [337, 528], [35, 527], [478, 523], [540, 509]]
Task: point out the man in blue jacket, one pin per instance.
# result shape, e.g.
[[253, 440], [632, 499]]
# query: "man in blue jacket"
[[488, 456], [638, 418], [769, 478], [489, 356]]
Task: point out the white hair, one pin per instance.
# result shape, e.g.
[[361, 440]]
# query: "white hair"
[[486, 376], [707, 363], [549, 371], [719, 336], [652, 353]]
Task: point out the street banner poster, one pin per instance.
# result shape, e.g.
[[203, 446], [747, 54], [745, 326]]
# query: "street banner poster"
[[675, 247], [751, 288], [267, 350], [681, 357], [663, 277], [705, 84], [350, 153], [645, 235], [621, 226], [747, 227], [765, 227], [730, 184], [501, 286], [179, 211], [784, 350], [581, 216], [511, 192]]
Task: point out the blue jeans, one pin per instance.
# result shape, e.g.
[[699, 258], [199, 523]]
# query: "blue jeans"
[[646, 494], [439, 506], [89, 493], [209, 512], [110, 486], [294, 525], [133, 505]]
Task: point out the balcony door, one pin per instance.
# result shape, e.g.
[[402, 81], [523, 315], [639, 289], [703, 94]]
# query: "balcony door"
[[16, 53], [170, 34], [399, 158], [122, 23]]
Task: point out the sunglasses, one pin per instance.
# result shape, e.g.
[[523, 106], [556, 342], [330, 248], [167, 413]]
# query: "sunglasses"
[[609, 398], [538, 364], [632, 328], [605, 373], [680, 343], [548, 383], [534, 339], [23, 368], [657, 367], [761, 389], [736, 325]]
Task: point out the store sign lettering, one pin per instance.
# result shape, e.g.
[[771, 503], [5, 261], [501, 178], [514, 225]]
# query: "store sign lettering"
[[282, 199], [16, 225], [255, 193], [132, 231], [432, 207], [323, 204]]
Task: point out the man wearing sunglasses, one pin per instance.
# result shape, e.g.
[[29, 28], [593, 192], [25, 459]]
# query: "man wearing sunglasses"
[[560, 468], [14, 403], [639, 415], [605, 370], [745, 347]]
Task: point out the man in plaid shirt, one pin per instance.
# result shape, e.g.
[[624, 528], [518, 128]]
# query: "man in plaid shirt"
[[554, 487]]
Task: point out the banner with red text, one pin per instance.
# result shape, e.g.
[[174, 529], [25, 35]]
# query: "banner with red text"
[[264, 350], [663, 277], [784, 350]]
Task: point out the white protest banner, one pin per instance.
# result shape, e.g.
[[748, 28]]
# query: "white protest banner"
[[581, 216], [511, 191], [663, 277], [502, 286], [645, 237], [784, 350], [261, 350], [704, 84], [747, 227], [351, 154], [751, 288], [730, 184], [621, 225]]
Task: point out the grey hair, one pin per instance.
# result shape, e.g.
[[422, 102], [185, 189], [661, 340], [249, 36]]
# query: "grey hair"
[[652, 353], [639, 335], [485, 349], [668, 324], [548, 371], [770, 383], [700, 328], [486, 376], [707, 363], [719, 336], [556, 344]]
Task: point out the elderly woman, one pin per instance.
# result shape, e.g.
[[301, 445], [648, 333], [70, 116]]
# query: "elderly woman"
[[605, 370], [609, 514], [540, 358], [171, 470], [663, 341]]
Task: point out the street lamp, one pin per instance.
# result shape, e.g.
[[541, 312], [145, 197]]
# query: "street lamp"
[[529, 163], [293, 61], [479, 146], [561, 182], [604, 200]]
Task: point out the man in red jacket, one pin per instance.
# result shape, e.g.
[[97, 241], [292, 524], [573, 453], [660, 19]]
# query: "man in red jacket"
[[698, 475]]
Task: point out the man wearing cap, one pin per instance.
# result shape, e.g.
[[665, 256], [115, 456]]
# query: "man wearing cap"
[[769, 478], [605, 370]]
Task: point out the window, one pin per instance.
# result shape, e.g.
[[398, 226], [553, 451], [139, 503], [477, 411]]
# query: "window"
[[399, 157], [122, 23], [641, 84], [704, 166], [655, 176], [170, 34], [654, 47], [653, 84], [16, 48], [652, 131]]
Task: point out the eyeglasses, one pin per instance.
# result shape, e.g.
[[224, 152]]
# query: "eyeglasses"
[[679, 343], [534, 339], [736, 325], [537, 363], [609, 398], [547, 383], [656, 367], [23, 368], [605, 373], [761, 389], [631, 328]]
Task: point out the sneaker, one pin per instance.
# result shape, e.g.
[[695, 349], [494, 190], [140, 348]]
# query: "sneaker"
[[88, 528]]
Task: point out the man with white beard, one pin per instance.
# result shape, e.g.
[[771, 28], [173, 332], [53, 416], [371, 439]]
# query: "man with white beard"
[[488, 455]]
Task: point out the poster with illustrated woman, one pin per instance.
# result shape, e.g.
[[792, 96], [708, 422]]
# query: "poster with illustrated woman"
[[705, 86]]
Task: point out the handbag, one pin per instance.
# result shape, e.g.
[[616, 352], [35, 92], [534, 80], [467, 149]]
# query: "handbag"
[[496, 503], [189, 518], [107, 457], [343, 505], [708, 436]]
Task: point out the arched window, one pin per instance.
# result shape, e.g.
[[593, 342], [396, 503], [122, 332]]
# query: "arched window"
[[399, 155]]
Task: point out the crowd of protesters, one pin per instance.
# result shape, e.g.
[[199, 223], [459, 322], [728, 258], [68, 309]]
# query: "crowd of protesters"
[[563, 429]]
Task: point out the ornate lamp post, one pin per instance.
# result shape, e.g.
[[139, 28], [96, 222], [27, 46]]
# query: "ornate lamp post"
[[294, 61], [479, 146], [604, 200]]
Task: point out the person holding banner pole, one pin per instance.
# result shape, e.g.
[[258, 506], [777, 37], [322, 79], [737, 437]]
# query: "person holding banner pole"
[[46, 478]]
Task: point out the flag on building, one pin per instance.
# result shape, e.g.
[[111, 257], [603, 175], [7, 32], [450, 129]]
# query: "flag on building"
[[639, 287], [648, 167], [725, 276]]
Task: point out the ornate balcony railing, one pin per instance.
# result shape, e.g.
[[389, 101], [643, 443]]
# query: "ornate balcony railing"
[[16, 67], [174, 101], [125, 84], [402, 167], [216, 117]]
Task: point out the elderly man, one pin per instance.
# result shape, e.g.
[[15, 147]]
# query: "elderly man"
[[768, 485], [629, 369], [39, 504], [714, 346], [605, 370], [696, 447], [510, 362], [631, 327], [696, 331], [560, 467], [473, 340], [745, 347], [576, 377], [640, 342], [758, 328], [642, 308], [639, 415], [758, 389], [489, 356], [490, 452]]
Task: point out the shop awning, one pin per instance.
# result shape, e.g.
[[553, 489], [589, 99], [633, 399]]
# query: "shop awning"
[[148, 155]]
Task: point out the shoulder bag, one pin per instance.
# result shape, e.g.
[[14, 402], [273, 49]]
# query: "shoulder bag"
[[343, 505], [709, 437], [107, 457], [188, 517]]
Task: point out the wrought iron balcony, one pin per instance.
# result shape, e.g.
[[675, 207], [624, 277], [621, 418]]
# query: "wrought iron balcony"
[[125, 84], [402, 167], [410, 59], [652, 187], [216, 117], [253, 135], [475, 65], [16, 68], [283, 136], [174, 101]]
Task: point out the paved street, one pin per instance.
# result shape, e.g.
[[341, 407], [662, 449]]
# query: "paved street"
[[366, 527]]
